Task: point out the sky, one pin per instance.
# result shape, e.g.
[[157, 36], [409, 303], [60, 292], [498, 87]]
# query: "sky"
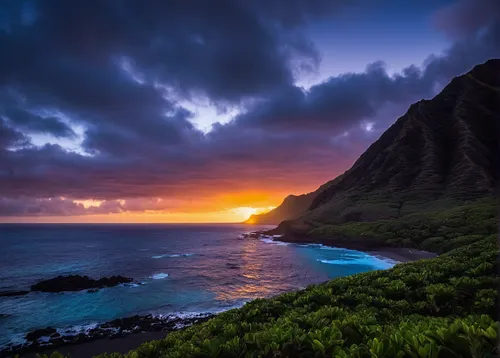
[[197, 111]]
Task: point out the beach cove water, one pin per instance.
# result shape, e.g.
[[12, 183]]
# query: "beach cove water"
[[185, 270]]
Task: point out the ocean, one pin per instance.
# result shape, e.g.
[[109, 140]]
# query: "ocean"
[[185, 270]]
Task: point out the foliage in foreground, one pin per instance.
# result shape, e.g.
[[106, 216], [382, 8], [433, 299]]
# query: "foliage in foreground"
[[438, 231]]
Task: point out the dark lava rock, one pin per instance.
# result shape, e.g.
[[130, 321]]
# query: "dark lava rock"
[[36, 334], [98, 332], [56, 341], [81, 337], [13, 293], [68, 338], [78, 283], [111, 330]]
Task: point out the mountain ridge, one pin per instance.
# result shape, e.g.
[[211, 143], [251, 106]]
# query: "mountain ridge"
[[440, 153]]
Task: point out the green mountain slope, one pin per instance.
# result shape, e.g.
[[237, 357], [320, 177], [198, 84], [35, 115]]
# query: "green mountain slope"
[[441, 153], [292, 207]]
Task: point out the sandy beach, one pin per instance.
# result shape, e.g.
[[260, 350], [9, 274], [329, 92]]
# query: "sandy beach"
[[402, 254], [105, 345]]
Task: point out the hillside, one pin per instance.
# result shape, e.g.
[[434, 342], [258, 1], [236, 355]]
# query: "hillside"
[[443, 152], [293, 206]]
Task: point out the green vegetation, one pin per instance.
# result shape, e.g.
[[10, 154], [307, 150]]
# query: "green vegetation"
[[440, 307], [438, 231]]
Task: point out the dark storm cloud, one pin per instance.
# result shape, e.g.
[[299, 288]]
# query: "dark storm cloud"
[[337, 103], [343, 101], [466, 17], [118, 68], [9, 137], [464, 55], [52, 207], [227, 51], [81, 58], [25, 120]]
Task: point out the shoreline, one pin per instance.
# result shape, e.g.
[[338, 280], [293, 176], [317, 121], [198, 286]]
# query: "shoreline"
[[102, 345], [90, 345], [400, 254], [121, 333]]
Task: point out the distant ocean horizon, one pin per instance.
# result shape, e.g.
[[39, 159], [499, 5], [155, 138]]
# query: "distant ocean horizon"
[[185, 269]]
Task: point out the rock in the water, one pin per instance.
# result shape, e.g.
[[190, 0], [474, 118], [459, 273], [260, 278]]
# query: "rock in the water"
[[13, 293], [36, 334], [78, 283]]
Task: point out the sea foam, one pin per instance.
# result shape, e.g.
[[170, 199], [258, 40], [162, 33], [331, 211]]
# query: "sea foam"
[[159, 276], [366, 260], [170, 255], [271, 241]]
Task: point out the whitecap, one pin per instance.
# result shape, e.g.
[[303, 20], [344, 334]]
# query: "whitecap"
[[364, 260], [201, 314], [143, 249], [323, 247], [312, 245], [78, 328], [133, 284], [274, 242], [170, 255], [159, 276]]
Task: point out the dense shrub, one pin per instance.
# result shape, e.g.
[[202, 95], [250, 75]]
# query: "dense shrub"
[[439, 231]]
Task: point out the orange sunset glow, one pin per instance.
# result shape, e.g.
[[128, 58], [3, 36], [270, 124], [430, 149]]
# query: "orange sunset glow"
[[207, 214], [224, 203]]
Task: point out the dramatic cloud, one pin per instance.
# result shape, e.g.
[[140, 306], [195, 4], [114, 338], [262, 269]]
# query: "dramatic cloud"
[[465, 17], [112, 79], [10, 137], [343, 101], [31, 122], [227, 51], [52, 207], [339, 102]]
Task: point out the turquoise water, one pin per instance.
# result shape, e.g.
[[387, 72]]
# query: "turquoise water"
[[185, 269]]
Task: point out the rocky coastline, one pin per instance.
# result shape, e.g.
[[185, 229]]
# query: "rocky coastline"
[[50, 338], [360, 244], [373, 247]]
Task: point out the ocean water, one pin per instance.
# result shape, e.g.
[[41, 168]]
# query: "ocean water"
[[185, 270]]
